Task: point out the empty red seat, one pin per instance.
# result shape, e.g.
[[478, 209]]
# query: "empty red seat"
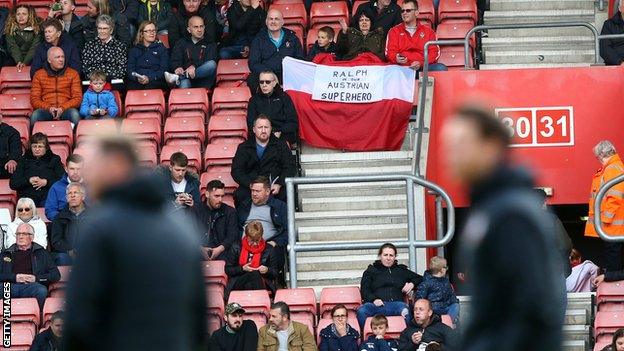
[[142, 129], [396, 324], [253, 301], [332, 296], [282, 2], [57, 289], [21, 338], [192, 152], [219, 155], [610, 292], [25, 310], [23, 126], [164, 38], [148, 154], [225, 177], [299, 300], [15, 105], [304, 319], [189, 99], [235, 71], [457, 9], [213, 322], [62, 150], [214, 303], [185, 128], [426, 12], [150, 100], [58, 132], [13, 80], [293, 13], [452, 56], [324, 13], [93, 127], [224, 98], [608, 322], [51, 305], [214, 272], [6, 193], [455, 29], [227, 126], [611, 306]]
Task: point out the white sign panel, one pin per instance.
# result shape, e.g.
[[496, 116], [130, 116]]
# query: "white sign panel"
[[539, 126], [359, 84]]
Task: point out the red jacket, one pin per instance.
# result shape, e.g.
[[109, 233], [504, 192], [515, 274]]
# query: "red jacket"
[[400, 41]]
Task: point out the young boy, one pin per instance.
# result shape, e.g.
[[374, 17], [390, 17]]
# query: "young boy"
[[96, 101], [378, 341], [324, 43], [438, 290]]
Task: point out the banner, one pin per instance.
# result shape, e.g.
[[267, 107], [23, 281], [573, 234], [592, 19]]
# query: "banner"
[[356, 105]]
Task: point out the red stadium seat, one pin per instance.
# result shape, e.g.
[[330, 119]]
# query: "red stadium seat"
[[224, 98], [214, 302], [21, 338], [611, 306], [259, 319], [148, 154], [357, 4], [189, 99], [214, 323], [219, 155], [299, 32], [283, 2], [426, 12], [6, 193], [313, 34], [457, 9], [58, 132], [299, 300], [61, 150], [455, 29], [253, 301], [23, 126], [6, 3], [143, 129], [185, 128], [192, 152], [92, 127], [396, 324], [601, 345], [324, 13], [57, 289], [214, 272], [608, 322], [25, 310], [446, 319], [610, 292], [120, 106], [51, 305], [14, 81], [15, 105], [304, 319], [232, 71], [151, 100], [346, 295], [293, 13], [452, 57], [225, 177], [227, 126], [81, 11], [164, 38]]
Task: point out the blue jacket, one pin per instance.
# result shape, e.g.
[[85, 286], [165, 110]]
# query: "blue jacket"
[[279, 215], [332, 342], [102, 100], [72, 55], [151, 61], [264, 56], [374, 344], [438, 291], [56, 199]]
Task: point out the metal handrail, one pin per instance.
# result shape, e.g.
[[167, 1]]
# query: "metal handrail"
[[411, 243], [597, 221]]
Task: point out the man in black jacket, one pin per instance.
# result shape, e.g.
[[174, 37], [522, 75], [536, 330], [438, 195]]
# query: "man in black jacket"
[[10, 149], [612, 50], [262, 155], [518, 299], [66, 226], [50, 339], [427, 330], [246, 18], [218, 222], [179, 21], [28, 266], [384, 14], [137, 283], [238, 334], [181, 186]]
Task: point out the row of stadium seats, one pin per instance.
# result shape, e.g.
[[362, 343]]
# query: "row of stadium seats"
[[610, 315]]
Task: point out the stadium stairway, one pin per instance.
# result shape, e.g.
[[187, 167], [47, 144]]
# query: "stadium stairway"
[[540, 47]]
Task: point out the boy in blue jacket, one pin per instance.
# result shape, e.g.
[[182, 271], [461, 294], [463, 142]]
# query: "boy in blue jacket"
[[378, 341], [98, 102], [437, 288]]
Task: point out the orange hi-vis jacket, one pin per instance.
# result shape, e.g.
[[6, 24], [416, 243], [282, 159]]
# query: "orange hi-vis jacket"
[[612, 207]]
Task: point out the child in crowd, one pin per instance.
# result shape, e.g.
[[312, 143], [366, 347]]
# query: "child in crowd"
[[324, 43], [378, 341], [98, 102], [437, 288]]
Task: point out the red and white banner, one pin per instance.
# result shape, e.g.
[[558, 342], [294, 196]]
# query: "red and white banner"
[[357, 105]]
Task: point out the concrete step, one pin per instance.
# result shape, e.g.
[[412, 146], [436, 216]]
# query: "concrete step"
[[538, 16], [531, 65], [338, 158], [575, 345], [338, 252], [344, 170], [330, 278], [539, 32], [535, 43], [354, 232], [328, 264], [510, 5], [537, 56], [576, 332], [345, 203], [576, 317], [362, 217], [351, 189]]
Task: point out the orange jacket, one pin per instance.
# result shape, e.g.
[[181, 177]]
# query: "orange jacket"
[[56, 89], [612, 206]]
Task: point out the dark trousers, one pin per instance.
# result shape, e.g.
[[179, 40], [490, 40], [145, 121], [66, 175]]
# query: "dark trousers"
[[611, 256], [133, 85], [249, 281]]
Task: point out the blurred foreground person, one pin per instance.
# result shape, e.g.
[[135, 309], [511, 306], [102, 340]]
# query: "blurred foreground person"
[[137, 284], [516, 275]]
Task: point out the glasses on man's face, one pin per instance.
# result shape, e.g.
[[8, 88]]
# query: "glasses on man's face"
[[407, 10], [266, 82], [26, 209], [22, 234], [149, 30], [340, 316]]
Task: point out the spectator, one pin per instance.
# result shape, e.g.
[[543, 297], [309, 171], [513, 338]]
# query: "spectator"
[[246, 19], [612, 50], [66, 226], [383, 286], [383, 14], [437, 289], [428, 329], [54, 37], [26, 212], [194, 59], [218, 222], [283, 334], [269, 48], [238, 334], [22, 35], [352, 42], [562, 240], [37, 170], [179, 22], [324, 43], [95, 8], [28, 267], [583, 275], [273, 102], [57, 198], [505, 217], [262, 155], [612, 206], [71, 23], [10, 149], [405, 44], [182, 186], [157, 11], [51, 338], [617, 343], [378, 341], [105, 53], [339, 336], [97, 101], [56, 90], [148, 60], [252, 263], [125, 13]]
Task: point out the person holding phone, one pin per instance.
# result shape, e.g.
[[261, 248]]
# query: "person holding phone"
[[183, 186]]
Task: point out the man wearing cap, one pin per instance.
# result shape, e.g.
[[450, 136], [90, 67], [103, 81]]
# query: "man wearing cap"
[[237, 334]]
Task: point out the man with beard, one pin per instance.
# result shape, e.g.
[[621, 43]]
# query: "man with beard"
[[238, 334]]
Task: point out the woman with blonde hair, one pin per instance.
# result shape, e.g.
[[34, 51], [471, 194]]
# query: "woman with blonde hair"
[[148, 60], [22, 34], [26, 212]]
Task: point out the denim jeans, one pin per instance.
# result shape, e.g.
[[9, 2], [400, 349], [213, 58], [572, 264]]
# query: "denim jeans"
[[36, 290], [435, 67], [389, 308], [62, 259], [204, 76], [71, 114], [231, 52], [453, 311]]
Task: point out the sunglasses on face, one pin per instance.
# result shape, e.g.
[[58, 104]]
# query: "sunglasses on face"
[[407, 10], [266, 81], [23, 209]]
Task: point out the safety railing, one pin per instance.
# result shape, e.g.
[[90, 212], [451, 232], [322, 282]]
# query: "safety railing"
[[597, 210], [411, 243]]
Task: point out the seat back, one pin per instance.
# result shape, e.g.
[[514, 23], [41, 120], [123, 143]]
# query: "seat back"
[[324, 13], [189, 99], [230, 98], [293, 13], [15, 105], [299, 300], [464, 9], [253, 301], [346, 295], [396, 324], [91, 127], [145, 100], [219, 154], [58, 132]]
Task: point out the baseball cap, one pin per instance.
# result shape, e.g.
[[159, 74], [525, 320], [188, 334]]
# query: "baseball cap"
[[234, 307]]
